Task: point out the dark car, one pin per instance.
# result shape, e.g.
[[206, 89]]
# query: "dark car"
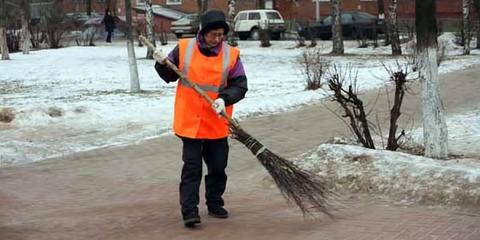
[[185, 25], [356, 25]]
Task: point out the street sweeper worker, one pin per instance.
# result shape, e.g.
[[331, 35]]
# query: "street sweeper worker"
[[216, 67]]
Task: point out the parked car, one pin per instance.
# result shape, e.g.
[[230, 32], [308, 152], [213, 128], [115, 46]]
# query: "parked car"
[[185, 25], [248, 22], [355, 24]]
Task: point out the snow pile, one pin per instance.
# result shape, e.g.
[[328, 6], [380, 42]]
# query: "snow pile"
[[448, 41], [463, 134], [398, 176]]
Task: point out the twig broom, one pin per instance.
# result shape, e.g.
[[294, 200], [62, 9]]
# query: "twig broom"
[[303, 188]]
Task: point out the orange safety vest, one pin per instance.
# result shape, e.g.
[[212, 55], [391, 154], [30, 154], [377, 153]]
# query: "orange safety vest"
[[194, 116]]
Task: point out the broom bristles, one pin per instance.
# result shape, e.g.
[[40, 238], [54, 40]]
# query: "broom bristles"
[[305, 189]]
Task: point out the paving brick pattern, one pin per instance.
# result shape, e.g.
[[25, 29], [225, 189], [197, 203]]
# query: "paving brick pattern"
[[130, 192]]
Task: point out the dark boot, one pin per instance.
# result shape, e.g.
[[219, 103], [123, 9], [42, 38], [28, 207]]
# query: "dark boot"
[[190, 219], [218, 212]]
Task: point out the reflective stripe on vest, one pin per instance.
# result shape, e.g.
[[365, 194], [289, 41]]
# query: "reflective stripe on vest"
[[193, 116], [225, 62]]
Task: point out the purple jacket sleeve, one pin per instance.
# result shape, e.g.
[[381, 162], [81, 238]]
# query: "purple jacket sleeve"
[[236, 84], [167, 74]]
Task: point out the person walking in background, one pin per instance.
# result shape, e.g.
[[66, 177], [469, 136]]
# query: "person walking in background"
[[216, 68], [109, 22]]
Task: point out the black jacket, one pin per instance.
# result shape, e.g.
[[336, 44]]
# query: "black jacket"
[[109, 22]]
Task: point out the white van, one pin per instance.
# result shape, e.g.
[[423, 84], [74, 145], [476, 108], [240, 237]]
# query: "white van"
[[248, 22]]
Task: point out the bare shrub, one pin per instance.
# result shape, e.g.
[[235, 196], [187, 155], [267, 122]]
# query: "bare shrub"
[[362, 42], [7, 115], [300, 41], [313, 66], [352, 106], [409, 144], [86, 37], [264, 35], [55, 112], [140, 30], [54, 24], [399, 78], [408, 27], [80, 109], [441, 52]]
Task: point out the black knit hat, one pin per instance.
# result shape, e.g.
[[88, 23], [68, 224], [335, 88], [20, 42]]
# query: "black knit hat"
[[211, 20]]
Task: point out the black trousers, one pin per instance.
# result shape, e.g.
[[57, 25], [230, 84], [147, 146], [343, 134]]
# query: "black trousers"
[[215, 154], [109, 36]]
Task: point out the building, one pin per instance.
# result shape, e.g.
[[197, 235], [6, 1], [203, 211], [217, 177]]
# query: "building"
[[305, 10], [166, 11]]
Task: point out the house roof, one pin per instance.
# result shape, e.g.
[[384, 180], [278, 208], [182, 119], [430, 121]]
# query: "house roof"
[[161, 11]]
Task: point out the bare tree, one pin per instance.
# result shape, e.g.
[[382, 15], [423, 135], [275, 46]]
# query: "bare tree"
[[466, 27], [381, 9], [112, 5], [261, 4], [337, 28], [89, 7], [393, 28], [150, 26], [25, 15], [313, 66], [400, 79], [434, 125], [232, 39], [381, 15], [3, 30], [202, 6], [352, 106], [54, 25], [134, 82], [264, 34], [476, 4]]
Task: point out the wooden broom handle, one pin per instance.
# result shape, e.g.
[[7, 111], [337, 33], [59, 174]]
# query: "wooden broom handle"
[[195, 86]]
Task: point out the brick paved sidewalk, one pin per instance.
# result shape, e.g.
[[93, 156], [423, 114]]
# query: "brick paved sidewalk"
[[130, 192]]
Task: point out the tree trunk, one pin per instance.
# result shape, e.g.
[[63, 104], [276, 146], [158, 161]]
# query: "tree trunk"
[[337, 28], [380, 9], [232, 39], [113, 4], [466, 27], [394, 36], [150, 26], [476, 4], [89, 7], [435, 132], [478, 34], [3, 44], [205, 6], [3, 31], [260, 4], [134, 82], [25, 31], [202, 6]]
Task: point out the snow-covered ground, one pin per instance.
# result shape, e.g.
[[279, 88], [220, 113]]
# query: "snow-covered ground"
[[399, 176], [90, 86], [402, 177]]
